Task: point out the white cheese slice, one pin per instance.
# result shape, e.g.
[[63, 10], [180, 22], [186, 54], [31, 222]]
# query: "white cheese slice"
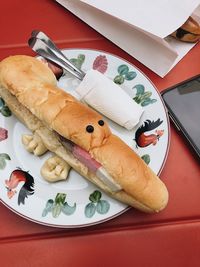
[[108, 180]]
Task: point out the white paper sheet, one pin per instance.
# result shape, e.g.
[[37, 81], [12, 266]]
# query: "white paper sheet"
[[158, 17], [136, 30]]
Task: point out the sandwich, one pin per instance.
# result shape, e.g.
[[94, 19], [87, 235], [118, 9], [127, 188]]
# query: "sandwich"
[[78, 134]]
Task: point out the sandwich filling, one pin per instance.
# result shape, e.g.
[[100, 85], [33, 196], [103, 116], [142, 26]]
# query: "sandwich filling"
[[85, 158]]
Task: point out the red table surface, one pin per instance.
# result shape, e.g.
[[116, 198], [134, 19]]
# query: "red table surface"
[[170, 238]]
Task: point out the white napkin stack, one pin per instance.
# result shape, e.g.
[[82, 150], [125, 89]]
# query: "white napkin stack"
[[108, 98]]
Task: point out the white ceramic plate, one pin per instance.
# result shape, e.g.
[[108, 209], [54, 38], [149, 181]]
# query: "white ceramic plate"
[[76, 202]]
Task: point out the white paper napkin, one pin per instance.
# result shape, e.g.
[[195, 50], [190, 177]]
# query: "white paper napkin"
[[110, 99]]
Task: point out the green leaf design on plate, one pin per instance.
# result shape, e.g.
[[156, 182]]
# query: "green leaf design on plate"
[[81, 58], [137, 99], [2, 103], [74, 61], [103, 206], [58, 205], [5, 111], [68, 210], [130, 75], [146, 102], [153, 100], [123, 69], [146, 158], [44, 213], [3, 158], [2, 163], [142, 97], [146, 95], [124, 74], [140, 89], [78, 62], [90, 210], [96, 204], [60, 198], [56, 210], [95, 196], [48, 207], [119, 79]]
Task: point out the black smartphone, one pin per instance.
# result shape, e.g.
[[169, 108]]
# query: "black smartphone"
[[183, 104]]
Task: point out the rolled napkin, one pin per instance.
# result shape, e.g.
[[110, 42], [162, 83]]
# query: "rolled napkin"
[[108, 98]]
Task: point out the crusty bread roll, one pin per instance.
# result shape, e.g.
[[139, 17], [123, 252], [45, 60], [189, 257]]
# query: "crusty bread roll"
[[34, 86], [188, 32]]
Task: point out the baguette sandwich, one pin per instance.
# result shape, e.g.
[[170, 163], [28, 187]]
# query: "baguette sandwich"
[[78, 134]]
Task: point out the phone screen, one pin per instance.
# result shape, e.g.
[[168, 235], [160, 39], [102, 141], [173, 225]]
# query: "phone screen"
[[183, 103]]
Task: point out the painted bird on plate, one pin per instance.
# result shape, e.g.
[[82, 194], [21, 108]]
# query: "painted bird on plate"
[[27, 188], [142, 139]]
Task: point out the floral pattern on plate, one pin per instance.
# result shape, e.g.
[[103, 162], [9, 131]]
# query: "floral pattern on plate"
[[58, 205]]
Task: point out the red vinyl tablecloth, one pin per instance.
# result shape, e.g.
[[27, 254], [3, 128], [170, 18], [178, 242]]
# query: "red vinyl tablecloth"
[[170, 238]]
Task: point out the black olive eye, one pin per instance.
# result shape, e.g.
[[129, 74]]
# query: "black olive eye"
[[101, 122], [90, 129]]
